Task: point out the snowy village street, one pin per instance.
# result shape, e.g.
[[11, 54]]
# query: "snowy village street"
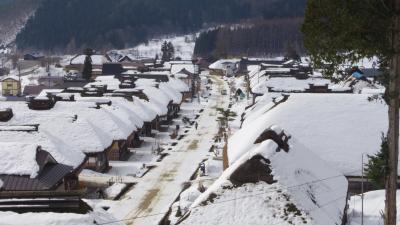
[[246, 112], [150, 199]]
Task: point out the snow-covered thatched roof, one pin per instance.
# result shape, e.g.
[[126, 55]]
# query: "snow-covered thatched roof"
[[337, 127], [267, 185]]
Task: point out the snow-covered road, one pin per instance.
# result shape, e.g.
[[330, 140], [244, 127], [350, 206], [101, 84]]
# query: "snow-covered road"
[[150, 199]]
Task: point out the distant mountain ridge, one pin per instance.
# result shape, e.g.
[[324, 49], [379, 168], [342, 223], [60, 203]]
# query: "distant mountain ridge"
[[60, 26]]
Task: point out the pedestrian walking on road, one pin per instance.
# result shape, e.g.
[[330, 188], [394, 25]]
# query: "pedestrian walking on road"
[[196, 125]]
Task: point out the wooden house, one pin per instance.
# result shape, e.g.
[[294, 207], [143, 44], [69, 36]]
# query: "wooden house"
[[41, 103], [115, 69], [98, 161], [118, 151], [33, 56], [78, 61], [53, 188], [191, 80], [223, 67], [52, 176], [11, 86]]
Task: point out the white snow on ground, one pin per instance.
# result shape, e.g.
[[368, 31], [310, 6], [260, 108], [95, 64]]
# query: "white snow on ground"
[[30, 76], [18, 159], [317, 190], [184, 47], [10, 29], [374, 207], [337, 127]]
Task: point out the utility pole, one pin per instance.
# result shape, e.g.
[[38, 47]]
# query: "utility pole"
[[19, 81], [394, 104], [362, 189]]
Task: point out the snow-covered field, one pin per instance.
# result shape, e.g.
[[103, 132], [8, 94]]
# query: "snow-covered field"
[[184, 47]]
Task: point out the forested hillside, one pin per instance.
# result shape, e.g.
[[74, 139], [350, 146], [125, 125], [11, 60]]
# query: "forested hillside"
[[278, 29], [116, 24], [13, 15], [263, 38], [71, 25]]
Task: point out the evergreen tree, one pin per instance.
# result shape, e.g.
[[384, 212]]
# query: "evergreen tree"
[[119, 23], [164, 50], [170, 50], [291, 52], [377, 167], [87, 67]]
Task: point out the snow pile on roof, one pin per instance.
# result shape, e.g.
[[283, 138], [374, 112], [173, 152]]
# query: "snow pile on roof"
[[13, 77], [143, 109], [337, 127], [96, 59], [264, 104], [299, 192], [219, 65], [175, 95], [176, 68], [111, 82], [158, 99], [145, 82], [62, 150], [18, 159], [178, 84], [73, 128], [260, 83]]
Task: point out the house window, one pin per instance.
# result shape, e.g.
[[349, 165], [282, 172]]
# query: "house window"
[[92, 160], [9, 85]]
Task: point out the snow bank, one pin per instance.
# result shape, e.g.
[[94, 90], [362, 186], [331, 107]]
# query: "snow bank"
[[374, 206]]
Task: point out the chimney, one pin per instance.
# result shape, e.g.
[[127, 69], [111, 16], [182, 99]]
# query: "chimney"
[[6, 114]]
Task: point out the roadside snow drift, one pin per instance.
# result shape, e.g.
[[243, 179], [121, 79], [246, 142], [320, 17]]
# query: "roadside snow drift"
[[267, 185]]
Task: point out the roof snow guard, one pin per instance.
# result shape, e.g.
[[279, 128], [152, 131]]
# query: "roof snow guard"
[[20, 128]]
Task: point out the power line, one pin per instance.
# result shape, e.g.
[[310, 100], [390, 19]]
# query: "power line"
[[234, 199]]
